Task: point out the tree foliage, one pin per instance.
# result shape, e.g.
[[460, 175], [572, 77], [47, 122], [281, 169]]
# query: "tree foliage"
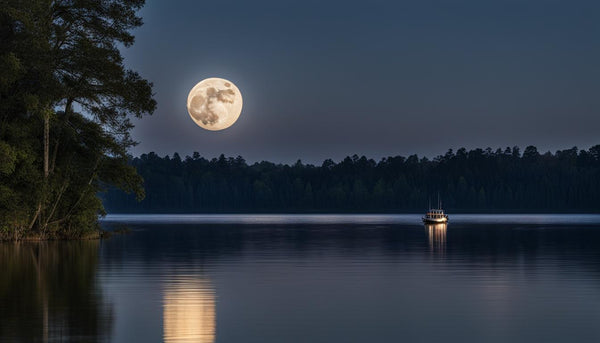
[[476, 180], [66, 100]]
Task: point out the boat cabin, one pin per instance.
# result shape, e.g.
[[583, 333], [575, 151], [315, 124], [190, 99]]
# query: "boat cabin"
[[435, 214]]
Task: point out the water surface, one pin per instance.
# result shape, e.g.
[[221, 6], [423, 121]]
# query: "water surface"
[[321, 278]]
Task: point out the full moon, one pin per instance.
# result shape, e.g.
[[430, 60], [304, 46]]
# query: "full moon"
[[214, 104]]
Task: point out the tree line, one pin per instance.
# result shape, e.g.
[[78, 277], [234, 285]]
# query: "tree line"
[[499, 180], [66, 100]]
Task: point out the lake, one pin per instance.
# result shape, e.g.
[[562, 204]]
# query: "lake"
[[309, 278]]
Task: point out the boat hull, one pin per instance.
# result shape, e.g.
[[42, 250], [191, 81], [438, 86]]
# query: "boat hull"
[[434, 220]]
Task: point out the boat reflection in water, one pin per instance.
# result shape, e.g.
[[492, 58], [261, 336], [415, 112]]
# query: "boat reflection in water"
[[189, 311], [437, 236]]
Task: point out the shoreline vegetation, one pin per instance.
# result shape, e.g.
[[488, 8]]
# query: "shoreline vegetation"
[[41, 237], [16, 236], [66, 104], [567, 181], [476, 181]]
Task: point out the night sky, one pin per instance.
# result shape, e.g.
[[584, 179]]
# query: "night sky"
[[376, 78]]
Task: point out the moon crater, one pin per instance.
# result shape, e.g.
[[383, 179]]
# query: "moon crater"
[[214, 104]]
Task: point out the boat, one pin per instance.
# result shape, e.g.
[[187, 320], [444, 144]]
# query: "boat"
[[435, 215]]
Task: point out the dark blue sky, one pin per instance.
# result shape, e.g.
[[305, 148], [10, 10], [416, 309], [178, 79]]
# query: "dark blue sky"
[[326, 79]]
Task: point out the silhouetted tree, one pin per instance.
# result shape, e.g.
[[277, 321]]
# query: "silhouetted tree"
[[477, 180], [65, 105]]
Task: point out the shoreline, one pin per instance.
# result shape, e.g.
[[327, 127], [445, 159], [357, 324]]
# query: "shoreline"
[[84, 236], [39, 237], [118, 223], [346, 219]]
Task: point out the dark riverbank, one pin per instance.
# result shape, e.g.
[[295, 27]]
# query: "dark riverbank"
[[119, 223], [61, 236], [37, 236], [475, 181]]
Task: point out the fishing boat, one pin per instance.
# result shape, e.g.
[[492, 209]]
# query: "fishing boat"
[[435, 215]]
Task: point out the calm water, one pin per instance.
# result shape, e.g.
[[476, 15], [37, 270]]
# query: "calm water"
[[325, 278]]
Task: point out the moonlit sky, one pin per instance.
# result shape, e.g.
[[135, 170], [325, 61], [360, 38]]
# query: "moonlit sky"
[[327, 79]]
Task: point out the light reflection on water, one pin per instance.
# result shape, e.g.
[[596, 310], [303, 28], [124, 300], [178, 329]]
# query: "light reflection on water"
[[293, 279], [437, 236], [189, 311]]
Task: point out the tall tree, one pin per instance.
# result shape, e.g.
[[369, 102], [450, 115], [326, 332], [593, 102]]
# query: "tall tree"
[[65, 72]]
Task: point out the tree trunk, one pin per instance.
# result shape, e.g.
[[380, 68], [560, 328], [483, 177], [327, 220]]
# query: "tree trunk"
[[66, 115], [51, 214], [38, 212], [46, 142]]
